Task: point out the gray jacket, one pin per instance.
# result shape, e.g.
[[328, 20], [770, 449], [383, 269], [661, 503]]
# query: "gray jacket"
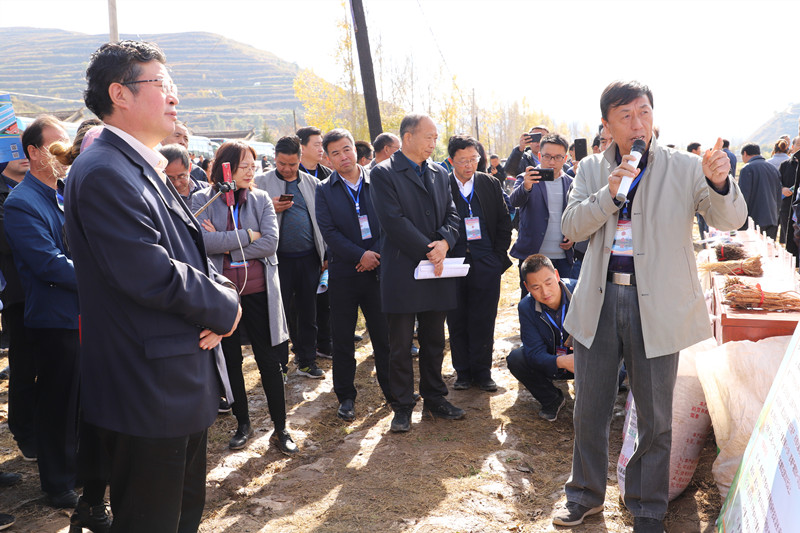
[[275, 186], [258, 215]]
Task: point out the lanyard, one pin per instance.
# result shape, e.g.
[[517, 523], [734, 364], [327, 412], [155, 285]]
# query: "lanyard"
[[356, 198], [634, 185], [468, 200], [550, 319], [316, 170], [236, 217]]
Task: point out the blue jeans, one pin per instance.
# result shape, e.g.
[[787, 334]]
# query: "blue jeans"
[[619, 336]]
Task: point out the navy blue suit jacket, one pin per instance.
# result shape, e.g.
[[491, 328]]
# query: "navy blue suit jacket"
[[338, 223], [539, 337], [534, 216], [146, 291]]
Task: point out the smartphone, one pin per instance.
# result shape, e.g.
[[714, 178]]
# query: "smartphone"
[[580, 149], [546, 174], [286, 197], [534, 137]]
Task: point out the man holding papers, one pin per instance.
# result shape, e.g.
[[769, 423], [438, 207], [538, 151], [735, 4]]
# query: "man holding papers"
[[418, 221], [483, 238]]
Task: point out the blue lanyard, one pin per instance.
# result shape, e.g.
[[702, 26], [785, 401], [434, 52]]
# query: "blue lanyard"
[[60, 200], [316, 170], [550, 319], [468, 200], [625, 208], [355, 198], [236, 217]]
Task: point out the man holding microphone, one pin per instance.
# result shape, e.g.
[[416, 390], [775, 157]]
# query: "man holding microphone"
[[638, 298]]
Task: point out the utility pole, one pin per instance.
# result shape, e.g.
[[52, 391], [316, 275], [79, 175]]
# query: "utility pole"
[[294, 119], [475, 116], [113, 31], [367, 73]]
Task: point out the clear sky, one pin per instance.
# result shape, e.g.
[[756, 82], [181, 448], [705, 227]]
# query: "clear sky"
[[717, 68]]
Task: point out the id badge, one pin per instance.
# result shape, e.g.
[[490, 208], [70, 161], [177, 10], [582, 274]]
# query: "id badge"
[[561, 351], [473, 228], [363, 223], [623, 239], [238, 264]]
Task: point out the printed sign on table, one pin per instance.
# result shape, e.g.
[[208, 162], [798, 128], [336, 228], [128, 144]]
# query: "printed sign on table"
[[766, 489]]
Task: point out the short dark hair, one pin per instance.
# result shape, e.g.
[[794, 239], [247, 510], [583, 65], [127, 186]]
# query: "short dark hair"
[[230, 152], [751, 149], [692, 147], [289, 145], [410, 123], [494, 156], [304, 134], [725, 143], [119, 62], [175, 152], [596, 141], [363, 149], [554, 138], [622, 92], [534, 263], [33, 134], [383, 140], [336, 135], [461, 142]]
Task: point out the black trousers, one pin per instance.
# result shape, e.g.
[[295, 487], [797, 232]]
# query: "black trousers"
[[255, 318], [538, 384], [324, 336], [346, 296], [299, 280], [22, 380], [471, 323], [56, 352], [157, 485], [431, 352]]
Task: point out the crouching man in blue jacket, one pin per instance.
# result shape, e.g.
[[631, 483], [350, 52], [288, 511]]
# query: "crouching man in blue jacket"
[[546, 354]]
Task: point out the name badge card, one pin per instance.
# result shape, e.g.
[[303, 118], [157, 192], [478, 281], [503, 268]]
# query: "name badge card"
[[623, 239], [473, 228], [363, 223], [238, 264], [561, 351]]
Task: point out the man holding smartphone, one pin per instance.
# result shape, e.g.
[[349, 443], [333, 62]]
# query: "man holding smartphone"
[[527, 153], [541, 193]]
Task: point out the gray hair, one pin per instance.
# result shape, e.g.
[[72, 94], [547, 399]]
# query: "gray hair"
[[410, 123], [174, 152]]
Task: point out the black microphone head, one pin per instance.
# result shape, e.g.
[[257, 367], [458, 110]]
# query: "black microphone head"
[[638, 146]]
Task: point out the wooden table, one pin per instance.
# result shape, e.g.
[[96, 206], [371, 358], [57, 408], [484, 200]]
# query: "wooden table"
[[739, 324]]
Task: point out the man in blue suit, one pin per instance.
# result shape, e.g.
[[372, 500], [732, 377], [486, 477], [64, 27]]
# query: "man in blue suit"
[[352, 232], [152, 309]]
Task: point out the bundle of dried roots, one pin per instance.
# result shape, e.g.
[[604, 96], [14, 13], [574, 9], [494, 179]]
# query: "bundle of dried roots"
[[730, 251], [747, 267], [747, 297]]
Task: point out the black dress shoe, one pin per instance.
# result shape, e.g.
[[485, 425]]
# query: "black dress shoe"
[[283, 441], [9, 478], [442, 409], [489, 385], [224, 407], [347, 410], [401, 421], [357, 338], [240, 438], [63, 500], [6, 520], [94, 518], [462, 384]]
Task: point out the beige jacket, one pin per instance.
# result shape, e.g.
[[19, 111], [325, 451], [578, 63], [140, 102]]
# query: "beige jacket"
[[673, 188]]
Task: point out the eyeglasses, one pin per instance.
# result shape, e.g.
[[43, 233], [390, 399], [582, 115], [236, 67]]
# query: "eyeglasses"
[[556, 158], [183, 176], [467, 162], [253, 168], [168, 87]]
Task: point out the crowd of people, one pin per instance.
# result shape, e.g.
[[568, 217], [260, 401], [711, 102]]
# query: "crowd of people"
[[133, 283]]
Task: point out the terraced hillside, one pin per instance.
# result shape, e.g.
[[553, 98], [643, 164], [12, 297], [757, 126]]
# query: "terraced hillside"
[[222, 83]]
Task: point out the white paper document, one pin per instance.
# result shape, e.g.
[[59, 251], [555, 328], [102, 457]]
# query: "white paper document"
[[454, 267]]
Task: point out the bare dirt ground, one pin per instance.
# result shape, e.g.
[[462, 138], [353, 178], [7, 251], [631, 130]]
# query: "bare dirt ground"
[[500, 469]]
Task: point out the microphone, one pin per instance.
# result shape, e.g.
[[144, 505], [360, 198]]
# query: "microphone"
[[637, 150]]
